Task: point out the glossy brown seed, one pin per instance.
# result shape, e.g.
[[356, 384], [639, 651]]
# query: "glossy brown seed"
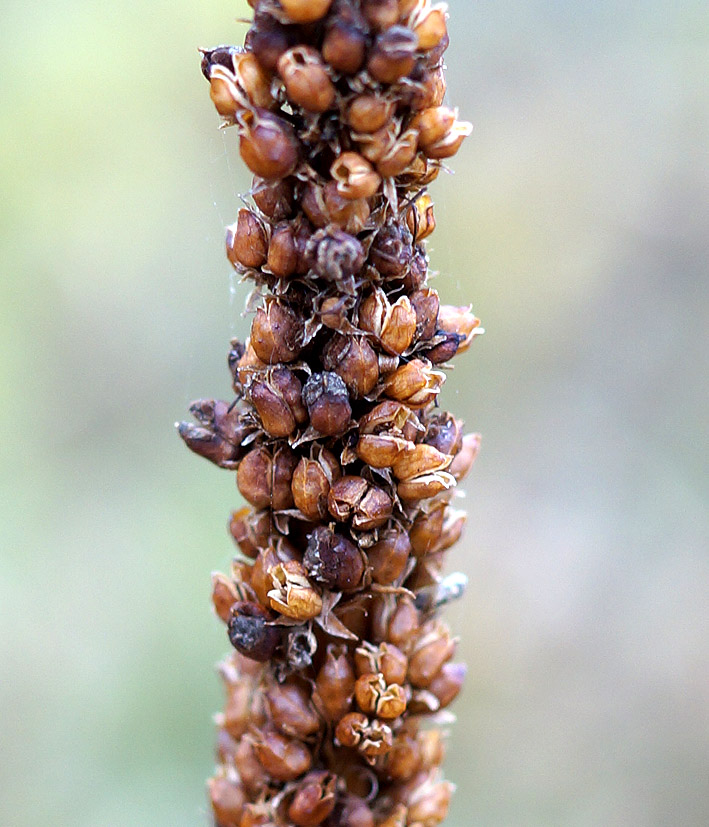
[[284, 759], [326, 205], [334, 685], [249, 632], [255, 477], [268, 39], [368, 113], [267, 143], [392, 252], [291, 711], [273, 198], [404, 759], [246, 241], [429, 804], [450, 143], [381, 450], [365, 504], [314, 799], [445, 433], [276, 333], [282, 258], [433, 124], [398, 155], [354, 361], [392, 325], [389, 556], [420, 218], [375, 697], [327, 400], [403, 625], [274, 412], [393, 54], [421, 459], [306, 79], [345, 42], [425, 486], [333, 560], [305, 11]]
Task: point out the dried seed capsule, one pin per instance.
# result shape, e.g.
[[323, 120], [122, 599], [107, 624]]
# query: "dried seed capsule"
[[333, 560], [448, 683], [464, 459], [334, 685], [224, 596], [311, 483], [253, 80], [445, 348], [414, 383], [365, 504], [224, 92], [268, 39], [314, 800], [450, 143], [425, 303], [421, 459], [345, 42], [433, 124], [429, 801], [219, 435], [354, 176], [389, 556], [380, 14], [292, 594], [334, 254], [282, 252], [306, 79], [415, 277], [267, 143], [429, 25], [393, 54], [371, 738], [398, 155], [403, 625], [276, 333], [250, 530], [354, 812], [460, 320], [392, 417], [246, 241], [381, 450], [369, 113], [249, 632], [291, 712], [432, 649], [420, 218], [385, 658], [328, 403], [445, 433], [393, 325], [375, 697], [325, 205], [273, 198], [392, 252], [305, 11], [228, 799], [427, 529], [282, 758], [425, 486], [246, 366], [354, 361]]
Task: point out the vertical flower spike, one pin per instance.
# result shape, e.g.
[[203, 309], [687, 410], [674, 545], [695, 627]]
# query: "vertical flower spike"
[[338, 446]]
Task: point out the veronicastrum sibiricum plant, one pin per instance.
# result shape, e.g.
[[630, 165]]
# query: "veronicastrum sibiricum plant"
[[341, 667]]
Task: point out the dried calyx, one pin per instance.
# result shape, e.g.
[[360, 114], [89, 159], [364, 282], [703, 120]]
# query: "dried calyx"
[[348, 466]]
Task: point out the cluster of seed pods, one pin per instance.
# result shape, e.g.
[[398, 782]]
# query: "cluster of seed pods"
[[341, 667]]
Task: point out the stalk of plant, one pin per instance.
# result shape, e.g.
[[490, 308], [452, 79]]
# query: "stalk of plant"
[[341, 668]]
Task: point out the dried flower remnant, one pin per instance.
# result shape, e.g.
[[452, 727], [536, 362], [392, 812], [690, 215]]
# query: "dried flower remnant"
[[346, 462]]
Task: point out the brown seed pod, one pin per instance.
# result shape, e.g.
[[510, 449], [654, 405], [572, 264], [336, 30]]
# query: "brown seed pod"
[[282, 258], [353, 498], [311, 483], [305, 11], [292, 595], [276, 333], [325, 204], [249, 632], [334, 685], [393, 55], [284, 759], [306, 79], [228, 799], [273, 198], [354, 176], [414, 383], [385, 659], [267, 143], [334, 254], [333, 560], [291, 711], [251, 530], [345, 42], [369, 113], [392, 325], [354, 361], [389, 556], [314, 799], [327, 400], [247, 241], [375, 697]]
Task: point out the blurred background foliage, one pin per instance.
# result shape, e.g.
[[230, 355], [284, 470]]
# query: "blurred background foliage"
[[576, 223]]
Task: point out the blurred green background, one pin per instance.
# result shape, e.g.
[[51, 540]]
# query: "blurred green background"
[[576, 223]]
